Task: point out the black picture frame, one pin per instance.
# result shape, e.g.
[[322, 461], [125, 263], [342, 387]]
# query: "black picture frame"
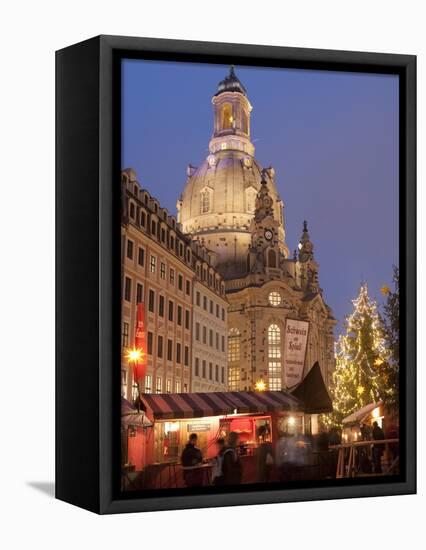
[[88, 285]]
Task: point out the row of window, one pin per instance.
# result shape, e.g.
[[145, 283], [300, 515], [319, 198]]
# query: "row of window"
[[160, 346], [274, 358], [201, 335], [156, 229], [206, 199], [212, 373], [213, 307], [162, 271], [209, 277], [159, 385], [180, 316], [148, 388]]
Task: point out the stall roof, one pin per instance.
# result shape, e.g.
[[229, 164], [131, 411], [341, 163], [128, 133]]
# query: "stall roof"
[[361, 414], [196, 405], [313, 392], [130, 416]]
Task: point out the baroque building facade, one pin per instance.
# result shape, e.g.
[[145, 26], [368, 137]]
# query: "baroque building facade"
[[231, 206], [166, 271]]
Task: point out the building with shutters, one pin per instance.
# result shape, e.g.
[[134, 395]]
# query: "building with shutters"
[[166, 271]]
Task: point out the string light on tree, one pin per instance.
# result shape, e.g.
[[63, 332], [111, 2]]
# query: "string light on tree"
[[361, 361]]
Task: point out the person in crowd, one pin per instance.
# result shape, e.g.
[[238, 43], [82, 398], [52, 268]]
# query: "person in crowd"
[[264, 455], [231, 467], [334, 437], [322, 441], [191, 457], [292, 456], [217, 469], [365, 432], [378, 435]]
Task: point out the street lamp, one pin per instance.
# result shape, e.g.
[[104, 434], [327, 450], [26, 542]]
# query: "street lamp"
[[260, 385], [134, 356]]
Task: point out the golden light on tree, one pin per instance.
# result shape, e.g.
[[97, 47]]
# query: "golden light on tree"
[[385, 290], [361, 359]]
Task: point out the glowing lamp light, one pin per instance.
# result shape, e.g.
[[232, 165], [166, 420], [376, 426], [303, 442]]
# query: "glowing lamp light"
[[134, 355], [376, 412], [260, 385], [291, 421]]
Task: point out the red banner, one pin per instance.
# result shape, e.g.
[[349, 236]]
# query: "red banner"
[[140, 344]]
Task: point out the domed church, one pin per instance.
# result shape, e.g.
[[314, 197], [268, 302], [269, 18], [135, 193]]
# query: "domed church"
[[231, 205]]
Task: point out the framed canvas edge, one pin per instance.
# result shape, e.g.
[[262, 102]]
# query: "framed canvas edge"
[[109, 501]]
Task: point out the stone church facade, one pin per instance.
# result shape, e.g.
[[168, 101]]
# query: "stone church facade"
[[231, 205]]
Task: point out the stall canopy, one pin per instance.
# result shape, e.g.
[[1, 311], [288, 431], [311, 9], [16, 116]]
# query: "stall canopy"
[[130, 416], [313, 393], [361, 414], [197, 405]]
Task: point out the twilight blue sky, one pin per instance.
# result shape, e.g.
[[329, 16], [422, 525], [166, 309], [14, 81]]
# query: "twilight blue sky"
[[331, 137]]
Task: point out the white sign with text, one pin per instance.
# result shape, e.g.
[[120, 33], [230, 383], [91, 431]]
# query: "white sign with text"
[[295, 341]]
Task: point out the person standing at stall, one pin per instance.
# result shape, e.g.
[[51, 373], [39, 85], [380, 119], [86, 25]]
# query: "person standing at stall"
[[231, 468], [191, 458], [264, 455], [217, 469]]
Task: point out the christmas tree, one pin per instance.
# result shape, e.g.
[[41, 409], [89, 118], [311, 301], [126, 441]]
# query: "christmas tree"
[[390, 320], [361, 360]]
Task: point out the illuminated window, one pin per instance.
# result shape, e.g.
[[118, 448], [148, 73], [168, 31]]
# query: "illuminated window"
[[274, 357], [168, 385], [205, 201], [234, 340], [123, 382], [226, 117], [274, 298], [233, 378], [158, 385], [223, 145], [177, 386], [148, 383]]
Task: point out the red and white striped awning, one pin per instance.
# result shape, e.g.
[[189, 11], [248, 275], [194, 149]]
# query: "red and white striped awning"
[[167, 406]]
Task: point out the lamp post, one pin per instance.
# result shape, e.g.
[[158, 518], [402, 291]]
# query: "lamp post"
[[134, 356], [260, 385]]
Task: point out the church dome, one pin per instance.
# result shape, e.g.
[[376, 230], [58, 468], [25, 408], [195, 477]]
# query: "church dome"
[[221, 192], [218, 201]]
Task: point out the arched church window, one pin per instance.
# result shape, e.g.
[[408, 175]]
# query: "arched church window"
[[272, 258], [226, 116], [274, 357], [205, 201]]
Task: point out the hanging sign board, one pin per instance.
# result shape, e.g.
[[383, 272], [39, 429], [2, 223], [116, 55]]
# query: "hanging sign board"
[[295, 342]]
